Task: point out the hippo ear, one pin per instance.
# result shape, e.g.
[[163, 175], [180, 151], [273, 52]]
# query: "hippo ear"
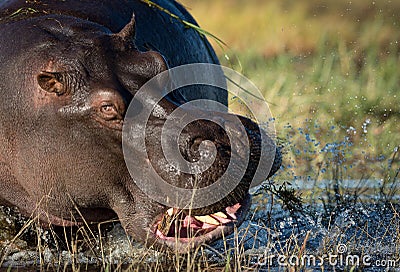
[[51, 82], [128, 32]]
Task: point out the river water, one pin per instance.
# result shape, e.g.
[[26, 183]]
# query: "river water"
[[330, 232]]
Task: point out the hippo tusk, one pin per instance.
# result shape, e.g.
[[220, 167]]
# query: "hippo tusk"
[[207, 219]]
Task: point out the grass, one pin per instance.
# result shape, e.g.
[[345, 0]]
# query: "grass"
[[274, 229], [275, 27], [329, 70]]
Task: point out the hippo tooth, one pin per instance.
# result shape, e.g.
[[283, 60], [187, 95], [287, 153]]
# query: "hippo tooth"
[[164, 226], [220, 214], [166, 222], [207, 219], [170, 211]]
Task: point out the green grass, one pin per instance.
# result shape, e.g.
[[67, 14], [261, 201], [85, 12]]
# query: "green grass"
[[329, 70], [316, 103], [274, 27]]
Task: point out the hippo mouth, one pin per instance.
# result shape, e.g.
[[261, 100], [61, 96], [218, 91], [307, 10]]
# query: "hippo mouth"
[[180, 231]]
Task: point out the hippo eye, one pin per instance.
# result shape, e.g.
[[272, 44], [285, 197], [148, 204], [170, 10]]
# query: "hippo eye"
[[108, 111]]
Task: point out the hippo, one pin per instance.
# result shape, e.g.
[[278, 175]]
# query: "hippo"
[[69, 70]]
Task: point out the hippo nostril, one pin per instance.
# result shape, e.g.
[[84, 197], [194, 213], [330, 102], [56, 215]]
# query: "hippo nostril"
[[194, 154], [202, 148], [199, 144], [196, 143]]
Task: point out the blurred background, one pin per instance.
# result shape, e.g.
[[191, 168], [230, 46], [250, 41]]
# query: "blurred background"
[[330, 71]]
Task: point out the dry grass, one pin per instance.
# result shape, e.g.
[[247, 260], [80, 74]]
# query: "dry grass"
[[271, 236]]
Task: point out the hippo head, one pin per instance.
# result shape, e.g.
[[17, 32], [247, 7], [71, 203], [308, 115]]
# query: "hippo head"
[[71, 83]]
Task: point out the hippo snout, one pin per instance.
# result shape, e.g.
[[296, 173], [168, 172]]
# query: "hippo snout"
[[215, 149]]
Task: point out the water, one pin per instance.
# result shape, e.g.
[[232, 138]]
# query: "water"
[[364, 234]]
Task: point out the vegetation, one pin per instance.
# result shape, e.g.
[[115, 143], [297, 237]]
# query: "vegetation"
[[329, 70]]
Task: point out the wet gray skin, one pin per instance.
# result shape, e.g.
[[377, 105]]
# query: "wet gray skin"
[[69, 72]]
